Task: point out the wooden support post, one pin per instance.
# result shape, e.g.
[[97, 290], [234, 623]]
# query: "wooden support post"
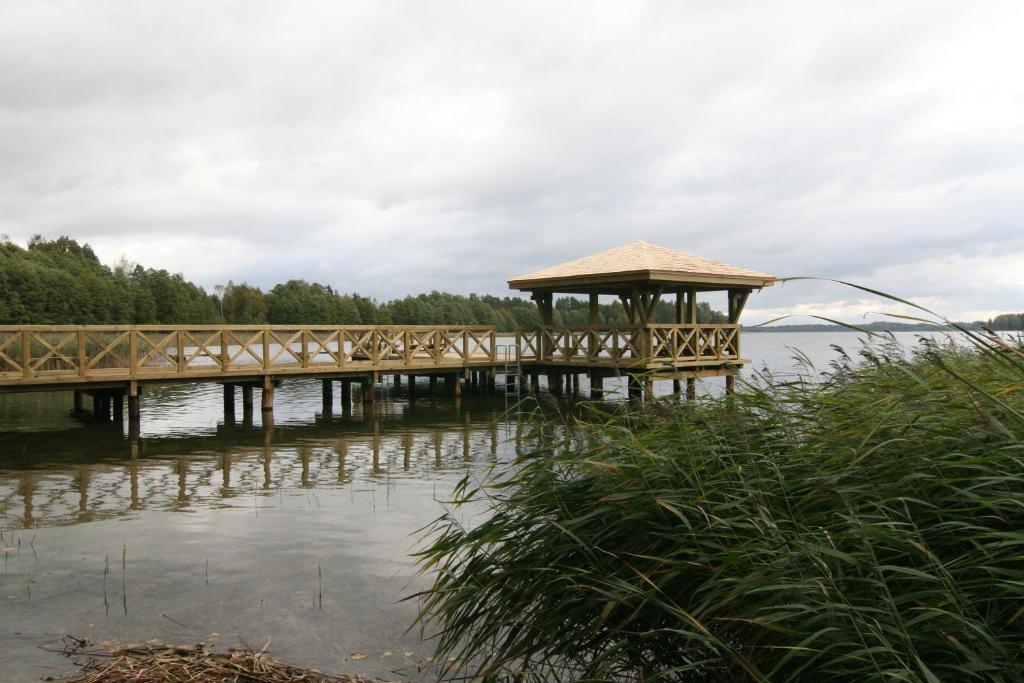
[[369, 395], [134, 407], [412, 385], [457, 387], [117, 399], [78, 402], [433, 383], [247, 400], [346, 392], [730, 385], [596, 386], [267, 400], [97, 405], [691, 389], [473, 380], [555, 383], [636, 389], [327, 392], [229, 402], [398, 380], [677, 386], [492, 377], [575, 381], [534, 382], [648, 388]]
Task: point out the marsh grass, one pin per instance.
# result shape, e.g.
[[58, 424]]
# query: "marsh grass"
[[862, 524]]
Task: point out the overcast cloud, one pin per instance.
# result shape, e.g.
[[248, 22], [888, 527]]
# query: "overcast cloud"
[[393, 148]]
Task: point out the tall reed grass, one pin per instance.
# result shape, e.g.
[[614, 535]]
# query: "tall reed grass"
[[866, 524]]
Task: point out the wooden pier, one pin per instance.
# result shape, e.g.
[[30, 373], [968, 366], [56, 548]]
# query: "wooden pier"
[[112, 363]]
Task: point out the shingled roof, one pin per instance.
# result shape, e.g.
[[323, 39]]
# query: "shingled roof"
[[640, 263]]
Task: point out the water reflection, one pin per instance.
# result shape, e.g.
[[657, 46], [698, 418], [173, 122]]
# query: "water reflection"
[[227, 525], [53, 481]]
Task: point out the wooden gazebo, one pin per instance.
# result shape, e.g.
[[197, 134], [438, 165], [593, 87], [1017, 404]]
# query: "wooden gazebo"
[[639, 274]]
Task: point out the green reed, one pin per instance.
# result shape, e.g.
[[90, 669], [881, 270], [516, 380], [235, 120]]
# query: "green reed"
[[865, 524]]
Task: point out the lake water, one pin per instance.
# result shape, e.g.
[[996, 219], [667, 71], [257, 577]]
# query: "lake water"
[[295, 537]]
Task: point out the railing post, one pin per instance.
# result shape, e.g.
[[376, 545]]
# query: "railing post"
[[179, 343], [465, 345], [407, 347], [266, 349], [133, 356], [493, 351], [304, 354], [375, 346], [341, 347], [83, 357], [437, 351], [26, 354], [736, 342], [225, 353]]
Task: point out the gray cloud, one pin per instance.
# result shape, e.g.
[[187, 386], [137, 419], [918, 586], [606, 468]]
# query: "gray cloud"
[[392, 148]]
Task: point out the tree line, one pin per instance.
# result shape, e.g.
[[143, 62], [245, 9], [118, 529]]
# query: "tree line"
[[62, 282]]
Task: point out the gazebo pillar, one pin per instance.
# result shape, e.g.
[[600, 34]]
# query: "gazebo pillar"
[[545, 302]]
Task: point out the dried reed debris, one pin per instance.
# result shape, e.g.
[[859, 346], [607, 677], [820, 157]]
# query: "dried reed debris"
[[159, 663]]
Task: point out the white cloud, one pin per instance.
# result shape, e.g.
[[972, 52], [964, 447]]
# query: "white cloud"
[[393, 148]]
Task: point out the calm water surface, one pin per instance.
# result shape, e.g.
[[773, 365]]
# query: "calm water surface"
[[294, 536]]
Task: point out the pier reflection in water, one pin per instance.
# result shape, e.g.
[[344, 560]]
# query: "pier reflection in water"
[[295, 533]]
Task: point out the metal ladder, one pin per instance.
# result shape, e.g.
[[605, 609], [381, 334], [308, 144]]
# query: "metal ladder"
[[510, 354]]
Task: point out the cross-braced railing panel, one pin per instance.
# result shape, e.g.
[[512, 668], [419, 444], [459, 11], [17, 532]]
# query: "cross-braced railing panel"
[[82, 353], [630, 345]]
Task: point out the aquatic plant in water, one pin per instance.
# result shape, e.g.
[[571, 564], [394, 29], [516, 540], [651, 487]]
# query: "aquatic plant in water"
[[865, 524]]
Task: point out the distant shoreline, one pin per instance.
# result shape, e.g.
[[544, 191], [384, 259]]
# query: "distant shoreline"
[[868, 327]]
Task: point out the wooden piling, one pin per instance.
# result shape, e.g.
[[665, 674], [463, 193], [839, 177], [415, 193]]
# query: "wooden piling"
[[327, 392], [398, 380], [677, 386], [78, 402], [267, 400], [730, 385], [368, 391], [636, 389], [433, 383], [229, 402], [247, 400], [596, 386], [117, 401], [412, 385], [346, 392], [691, 389], [134, 405]]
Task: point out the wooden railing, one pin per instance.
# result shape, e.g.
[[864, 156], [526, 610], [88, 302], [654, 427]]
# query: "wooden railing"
[[630, 345], [99, 353]]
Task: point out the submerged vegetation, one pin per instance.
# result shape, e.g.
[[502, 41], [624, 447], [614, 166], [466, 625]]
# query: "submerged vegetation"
[[867, 524]]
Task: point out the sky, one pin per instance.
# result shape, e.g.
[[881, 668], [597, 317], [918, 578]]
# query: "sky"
[[400, 147]]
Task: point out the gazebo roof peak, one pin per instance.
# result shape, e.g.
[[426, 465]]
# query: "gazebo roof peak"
[[640, 263]]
